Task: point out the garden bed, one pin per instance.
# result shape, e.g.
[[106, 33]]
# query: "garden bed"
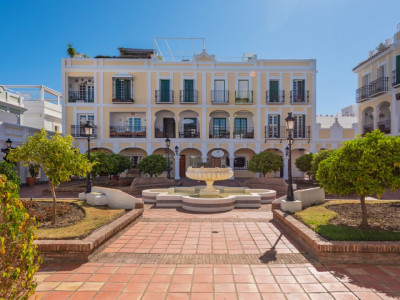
[[339, 220], [88, 219]]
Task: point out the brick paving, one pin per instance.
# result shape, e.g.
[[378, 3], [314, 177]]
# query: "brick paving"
[[241, 254]]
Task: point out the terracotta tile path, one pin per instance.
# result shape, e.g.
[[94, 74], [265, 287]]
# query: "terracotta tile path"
[[172, 254]]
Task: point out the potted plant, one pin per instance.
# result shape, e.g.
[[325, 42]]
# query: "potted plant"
[[34, 172]]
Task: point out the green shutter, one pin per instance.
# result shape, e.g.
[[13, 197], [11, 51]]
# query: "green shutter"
[[127, 91], [116, 86], [397, 69], [274, 90]]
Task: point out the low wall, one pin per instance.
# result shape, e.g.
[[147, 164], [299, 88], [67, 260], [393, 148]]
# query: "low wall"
[[117, 198], [364, 252], [140, 184], [308, 197], [62, 251]]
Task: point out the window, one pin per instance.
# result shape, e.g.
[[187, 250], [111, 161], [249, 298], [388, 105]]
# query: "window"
[[219, 127], [135, 124], [299, 126], [274, 123], [239, 162], [274, 91], [189, 90], [219, 92], [243, 85], [298, 90], [240, 127], [165, 90], [123, 88], [83, 118], [56, 128], [381, 72], [366, 79]]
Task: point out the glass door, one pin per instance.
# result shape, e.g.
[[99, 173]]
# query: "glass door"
[[219, 91], [273, 126], [240, 128], [219, 127], [299, 126], [273, 91], [189, 91]]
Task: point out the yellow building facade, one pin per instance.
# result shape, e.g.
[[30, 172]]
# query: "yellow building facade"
[[378, 91], [219, 112]]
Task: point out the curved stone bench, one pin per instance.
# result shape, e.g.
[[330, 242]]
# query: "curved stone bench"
[[115, 198], [95, 198]]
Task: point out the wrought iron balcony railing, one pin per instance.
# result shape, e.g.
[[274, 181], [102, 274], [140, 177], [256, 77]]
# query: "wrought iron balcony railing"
[[80, 96], [363, 93], [367, 128], [219, 133], [384, 126], [379, 86], [164, 132], [123, 101], [188, 96], [79, 131], [244, 97], [276, 132], [299, 96], [243, 133], [164, 96], [219, 96], [396, 78], [127, 131], [191, 133], [276, 96]]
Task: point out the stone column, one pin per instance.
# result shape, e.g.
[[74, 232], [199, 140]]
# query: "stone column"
[[177, 170], [231, 164]]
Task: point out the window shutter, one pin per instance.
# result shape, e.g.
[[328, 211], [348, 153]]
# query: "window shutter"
[[127, 89], [279, 126], [116, 88], [303, 125], [398, 68]]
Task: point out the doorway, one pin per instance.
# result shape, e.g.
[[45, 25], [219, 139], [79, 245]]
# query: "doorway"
[[169, 127], [182, 166]]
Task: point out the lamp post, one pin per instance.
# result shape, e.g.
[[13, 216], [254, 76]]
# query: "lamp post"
[[290, 127], [89, 132], [176, 150], [168, 144], [7, 149]]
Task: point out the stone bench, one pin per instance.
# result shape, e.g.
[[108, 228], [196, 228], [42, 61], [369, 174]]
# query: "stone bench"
[[94, 198]]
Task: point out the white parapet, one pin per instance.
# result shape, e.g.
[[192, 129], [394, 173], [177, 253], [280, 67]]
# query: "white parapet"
[[117, 198], [291, 206]]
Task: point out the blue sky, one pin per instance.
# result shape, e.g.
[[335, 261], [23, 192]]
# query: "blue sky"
[[338, 33]]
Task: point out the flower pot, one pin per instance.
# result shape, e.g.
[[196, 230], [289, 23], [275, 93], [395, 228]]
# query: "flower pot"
[[30, 181]]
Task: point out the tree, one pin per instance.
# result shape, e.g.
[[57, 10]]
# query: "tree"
[[317, 158], [103, 163], [19, 257], [265, 162], [153, 164], [56, 156], [7, 169], [121, 164], [71, 50], [365, 166], [303, 163]]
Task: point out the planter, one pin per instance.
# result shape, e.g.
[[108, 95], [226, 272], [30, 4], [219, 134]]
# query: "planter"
[[30, 181]]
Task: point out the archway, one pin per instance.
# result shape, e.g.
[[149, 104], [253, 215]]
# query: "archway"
[[134, 154], [164, 152], [219, 125], [189, 157], [189, 125], [218, 158], [164, 124], [367, 116], [383, 117]]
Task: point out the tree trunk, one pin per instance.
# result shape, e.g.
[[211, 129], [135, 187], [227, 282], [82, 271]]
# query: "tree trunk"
[[53, 193], [364, 222]]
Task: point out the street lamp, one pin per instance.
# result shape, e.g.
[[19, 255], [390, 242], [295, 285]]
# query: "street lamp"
[[8, 143], [168, 144], [176, 150], [89, 132], [290, 127], [7, 149]]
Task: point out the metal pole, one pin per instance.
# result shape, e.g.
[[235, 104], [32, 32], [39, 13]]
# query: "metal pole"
[[289, 196], [89, 182], [168, 168]]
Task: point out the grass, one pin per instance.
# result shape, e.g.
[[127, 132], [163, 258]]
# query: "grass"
[[318, 217], [95, 217]]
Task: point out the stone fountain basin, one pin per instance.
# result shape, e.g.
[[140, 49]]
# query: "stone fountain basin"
[[230, 198]]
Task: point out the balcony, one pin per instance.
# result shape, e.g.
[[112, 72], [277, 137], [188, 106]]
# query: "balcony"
[[220, 97], [122, 101], [379, 86], [218, 133], [80, 97], [276, 97], [396, 78], [244, 97], [299, 96], [363, 93], [188, 96], [127, 131], [384, 126], [164, 132], [275, 132], [246, 133], [367, 128], [164, 96], [189, 133], [79, 131]]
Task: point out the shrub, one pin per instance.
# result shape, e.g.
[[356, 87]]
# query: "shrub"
[[265, 162], [153, 165], [366, 166], [19, 258], [303, 163], [7, 169], [109, 164], [316, 160], [121, 163]]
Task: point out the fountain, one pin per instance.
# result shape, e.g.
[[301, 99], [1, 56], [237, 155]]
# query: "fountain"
[[208, 198]]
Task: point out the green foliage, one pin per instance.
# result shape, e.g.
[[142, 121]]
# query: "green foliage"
[[71, 50], [34, 170], [7, 169], [303, 163], [265, 162], [153, 164], [19, 257], [56, 156], [109, 164], [364, 166], [381, 47], [317, 158]]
